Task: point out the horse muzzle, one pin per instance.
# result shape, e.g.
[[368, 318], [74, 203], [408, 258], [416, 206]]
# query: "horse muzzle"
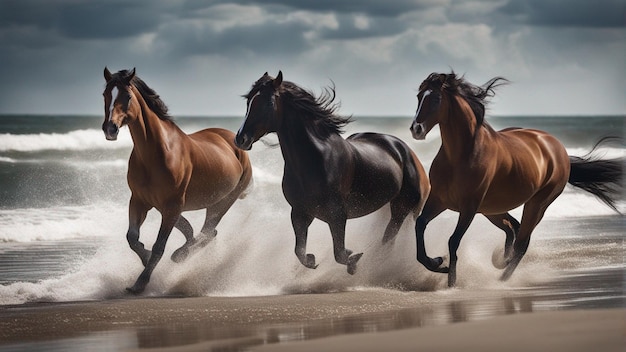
[[110, 130], [243, 141], [418, 130]]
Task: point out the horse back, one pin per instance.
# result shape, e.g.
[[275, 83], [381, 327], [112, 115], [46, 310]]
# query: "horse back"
[[375, 150]]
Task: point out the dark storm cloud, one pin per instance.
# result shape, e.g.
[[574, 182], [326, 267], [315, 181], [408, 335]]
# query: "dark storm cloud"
[[569, 13], [54, 50], [184, 39], [389, 8], [84, 20]]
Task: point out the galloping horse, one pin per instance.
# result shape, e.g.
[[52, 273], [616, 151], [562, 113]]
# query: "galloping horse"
[[480, 170], [170, 170], [328, 177]]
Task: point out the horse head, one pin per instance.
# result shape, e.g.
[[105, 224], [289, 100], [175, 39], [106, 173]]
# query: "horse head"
[[120, 106], [263, 111], [430, 101]]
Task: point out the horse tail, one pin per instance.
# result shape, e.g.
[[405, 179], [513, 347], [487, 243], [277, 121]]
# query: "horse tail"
[[247, 179], [600, 177], [414, 172]]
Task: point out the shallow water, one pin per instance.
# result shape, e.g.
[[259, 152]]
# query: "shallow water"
[[585, 256]]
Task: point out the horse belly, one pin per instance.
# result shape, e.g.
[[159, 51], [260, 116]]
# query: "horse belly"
[[208, 187], [373, 187], [500, 201]]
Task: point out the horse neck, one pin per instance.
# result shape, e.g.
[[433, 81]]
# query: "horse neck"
[[459, 129], [149, 132], [298, 144]]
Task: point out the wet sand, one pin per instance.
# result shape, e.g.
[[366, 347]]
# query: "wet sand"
[[562, 315], [580, 306]]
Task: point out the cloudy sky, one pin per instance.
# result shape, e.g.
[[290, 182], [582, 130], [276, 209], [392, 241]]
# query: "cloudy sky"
[[562, 56]]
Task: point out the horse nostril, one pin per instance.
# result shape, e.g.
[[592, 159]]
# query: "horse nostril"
[[418, 130], [241, 141], [110, 130]]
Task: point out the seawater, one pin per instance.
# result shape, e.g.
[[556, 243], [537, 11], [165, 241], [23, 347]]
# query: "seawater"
[[63, 218]]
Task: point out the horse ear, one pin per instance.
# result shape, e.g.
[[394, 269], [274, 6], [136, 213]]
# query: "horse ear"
[[441, 80], [265, 74], [131, 75], [107, 74], [278, 80]]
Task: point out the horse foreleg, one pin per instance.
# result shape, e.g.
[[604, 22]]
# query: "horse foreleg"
[[183, 225], [136, 216], [301, 222], [167, 224], [432, 208], [510, 226], [465, 219], [342, 254]]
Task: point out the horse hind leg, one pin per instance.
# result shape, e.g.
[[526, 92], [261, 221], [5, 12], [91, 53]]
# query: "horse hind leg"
[[214, 215], [510, 226], [533, 212], [182, 253], [399, 211]]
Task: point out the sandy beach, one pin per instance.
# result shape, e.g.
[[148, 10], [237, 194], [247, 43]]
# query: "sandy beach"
[[362, 320]]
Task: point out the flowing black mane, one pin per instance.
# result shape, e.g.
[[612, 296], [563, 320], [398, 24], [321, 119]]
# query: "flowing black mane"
[[318, 111], [149, 95], [476, 96]]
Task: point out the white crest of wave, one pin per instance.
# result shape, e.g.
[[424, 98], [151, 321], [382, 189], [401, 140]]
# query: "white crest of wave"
[[73, 140], [60, 223]]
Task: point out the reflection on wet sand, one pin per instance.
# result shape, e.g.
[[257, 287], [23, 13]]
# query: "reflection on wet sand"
[[586, 290], [571, 292]]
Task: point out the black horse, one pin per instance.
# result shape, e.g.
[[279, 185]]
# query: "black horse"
[[328, 177]]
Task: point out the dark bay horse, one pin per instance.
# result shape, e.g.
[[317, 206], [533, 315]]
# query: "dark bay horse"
[[328, 177], [480, 170], [170, 170]]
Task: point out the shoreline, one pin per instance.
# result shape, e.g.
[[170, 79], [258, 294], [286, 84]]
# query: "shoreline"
[[303, 321]]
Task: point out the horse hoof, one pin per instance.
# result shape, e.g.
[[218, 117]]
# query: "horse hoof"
[[135, 290], [204, 240], [434, 265], [310, 261], [498, 258], [180, 255], [352, 260]]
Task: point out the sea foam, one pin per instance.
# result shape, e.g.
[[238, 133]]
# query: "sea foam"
[[74, 140]]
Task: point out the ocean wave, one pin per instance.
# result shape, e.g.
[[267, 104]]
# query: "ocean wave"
[[74, 140], [7, 160]]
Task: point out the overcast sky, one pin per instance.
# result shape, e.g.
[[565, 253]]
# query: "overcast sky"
[[562, 56]]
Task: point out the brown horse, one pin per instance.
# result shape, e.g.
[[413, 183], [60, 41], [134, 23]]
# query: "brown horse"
[[328, 177], [170, 170], [480, 170]]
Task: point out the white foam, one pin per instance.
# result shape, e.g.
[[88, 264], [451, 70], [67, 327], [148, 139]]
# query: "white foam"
[[60, 223], [74, 140], [4, 159]]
